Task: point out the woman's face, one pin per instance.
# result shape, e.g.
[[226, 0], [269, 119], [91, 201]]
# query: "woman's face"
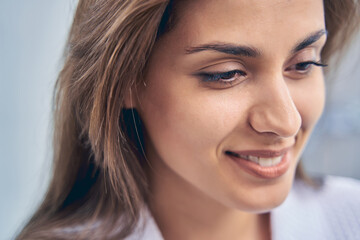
[[232, 94]]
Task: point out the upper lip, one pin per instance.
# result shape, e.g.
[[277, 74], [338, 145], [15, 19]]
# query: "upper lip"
[[262, 153]]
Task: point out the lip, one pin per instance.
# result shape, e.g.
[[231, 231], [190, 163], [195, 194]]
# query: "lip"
[[260, 171], [264, 153]]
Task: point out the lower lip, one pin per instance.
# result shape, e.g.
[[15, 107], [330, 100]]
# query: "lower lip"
[[264, 172]]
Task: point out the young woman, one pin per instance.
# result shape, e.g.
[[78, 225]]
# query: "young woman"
[[186, 120]]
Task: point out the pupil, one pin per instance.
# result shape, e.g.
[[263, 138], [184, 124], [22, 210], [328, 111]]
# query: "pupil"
[[228, 75], [302, 66]]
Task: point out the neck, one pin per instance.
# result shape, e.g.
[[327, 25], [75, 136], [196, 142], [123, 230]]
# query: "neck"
[[183, 212]]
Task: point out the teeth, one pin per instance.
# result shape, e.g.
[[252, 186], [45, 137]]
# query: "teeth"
[[276, 160], [264, 162], [254, 159], [268, 162]]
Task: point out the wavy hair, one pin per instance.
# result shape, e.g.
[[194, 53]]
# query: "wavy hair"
[[99, 181]]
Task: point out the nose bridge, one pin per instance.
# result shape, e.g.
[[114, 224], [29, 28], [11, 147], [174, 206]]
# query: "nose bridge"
[[275, 110]]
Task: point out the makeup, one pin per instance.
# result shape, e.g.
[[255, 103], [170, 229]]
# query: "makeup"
[[263, 164]]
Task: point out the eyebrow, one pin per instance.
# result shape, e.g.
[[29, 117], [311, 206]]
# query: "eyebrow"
[[227, 48], [248, 51], [309, 40]]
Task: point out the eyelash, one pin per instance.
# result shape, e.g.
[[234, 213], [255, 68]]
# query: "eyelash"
[[224, 77], [217, 76], [306, 66]]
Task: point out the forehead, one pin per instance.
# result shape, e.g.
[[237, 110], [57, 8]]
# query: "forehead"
[[254, 22]]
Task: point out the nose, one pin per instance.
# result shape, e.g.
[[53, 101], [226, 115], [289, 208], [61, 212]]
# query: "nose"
[[274, 110]]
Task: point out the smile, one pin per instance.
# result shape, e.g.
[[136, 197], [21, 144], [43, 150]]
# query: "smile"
[[262, 161], [266, 164]]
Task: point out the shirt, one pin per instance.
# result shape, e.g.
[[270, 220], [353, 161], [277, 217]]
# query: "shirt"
[[331, 212]]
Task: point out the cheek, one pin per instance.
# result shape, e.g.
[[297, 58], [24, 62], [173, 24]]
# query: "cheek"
[[309, 98], [179, 117], [183, 121]]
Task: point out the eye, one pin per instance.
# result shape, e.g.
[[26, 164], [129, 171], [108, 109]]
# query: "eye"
[[230, 77], [304, 67]]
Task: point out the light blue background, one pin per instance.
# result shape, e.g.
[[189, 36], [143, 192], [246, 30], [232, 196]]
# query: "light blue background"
[[32, 37]]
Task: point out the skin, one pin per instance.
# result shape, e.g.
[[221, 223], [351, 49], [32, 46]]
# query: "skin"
[[197, 191]]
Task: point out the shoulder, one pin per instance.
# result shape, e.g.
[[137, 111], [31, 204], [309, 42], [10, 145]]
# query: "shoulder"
[[330, 211], [331, 190], [146, 228]]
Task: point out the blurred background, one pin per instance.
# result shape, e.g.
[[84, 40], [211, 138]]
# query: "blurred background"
[[32, 38]]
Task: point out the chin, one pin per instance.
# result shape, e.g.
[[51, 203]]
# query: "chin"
[[264, 198]]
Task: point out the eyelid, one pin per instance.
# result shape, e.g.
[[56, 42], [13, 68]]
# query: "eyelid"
[[222, 80], [223, 65], [219, 75], [310, 53], [302, 69]]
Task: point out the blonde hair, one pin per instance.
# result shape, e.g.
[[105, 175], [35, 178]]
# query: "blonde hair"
[[99, 183]]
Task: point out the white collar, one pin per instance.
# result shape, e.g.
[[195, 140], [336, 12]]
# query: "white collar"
[[330, 212]]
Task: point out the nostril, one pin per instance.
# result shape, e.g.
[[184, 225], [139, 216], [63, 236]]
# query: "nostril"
[[275, 120]]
